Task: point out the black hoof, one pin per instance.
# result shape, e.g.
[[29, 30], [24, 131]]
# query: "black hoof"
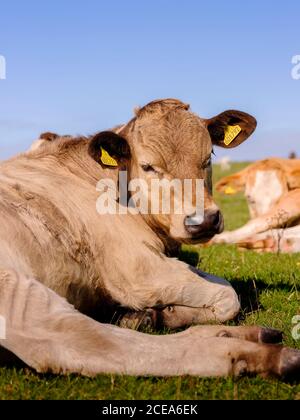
[[270, 336], [290, 364], [139, 320]]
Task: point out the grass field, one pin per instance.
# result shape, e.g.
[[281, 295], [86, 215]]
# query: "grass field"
[[268, 287]]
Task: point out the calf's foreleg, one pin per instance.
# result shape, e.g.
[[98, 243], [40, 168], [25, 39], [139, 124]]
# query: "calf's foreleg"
[[283, 214], [276, 240], [49, 335]]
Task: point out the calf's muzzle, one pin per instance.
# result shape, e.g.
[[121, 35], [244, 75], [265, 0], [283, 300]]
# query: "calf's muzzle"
[[211, 224]]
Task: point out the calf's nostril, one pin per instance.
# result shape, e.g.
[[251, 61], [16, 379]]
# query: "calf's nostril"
[[195, 220], [216, 219]]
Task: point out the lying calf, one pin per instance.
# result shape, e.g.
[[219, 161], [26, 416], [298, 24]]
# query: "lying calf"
[[62, 264], [44, 139], [272, 189]]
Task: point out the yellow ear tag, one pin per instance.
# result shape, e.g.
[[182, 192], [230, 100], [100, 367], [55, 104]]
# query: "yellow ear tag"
[[107, 160], [230, 191], [231, 133]]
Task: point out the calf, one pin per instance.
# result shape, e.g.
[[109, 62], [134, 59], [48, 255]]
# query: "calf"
[[272, 189], [63, 265], [44, 139]]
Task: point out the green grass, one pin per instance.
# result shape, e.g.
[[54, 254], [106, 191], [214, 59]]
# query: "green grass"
[[269, 289]]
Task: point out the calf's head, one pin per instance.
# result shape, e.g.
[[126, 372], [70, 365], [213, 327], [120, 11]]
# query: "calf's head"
[[167, 142]]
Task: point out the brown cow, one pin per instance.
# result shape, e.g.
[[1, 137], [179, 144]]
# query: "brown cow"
[[272, 189], [44, 138], [56, 251]]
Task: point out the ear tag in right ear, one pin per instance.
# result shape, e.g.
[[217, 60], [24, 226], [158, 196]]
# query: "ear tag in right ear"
[[107, 160], [230, 191], [231, 133]]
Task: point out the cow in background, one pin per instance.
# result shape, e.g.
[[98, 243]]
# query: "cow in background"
[[272, 190]]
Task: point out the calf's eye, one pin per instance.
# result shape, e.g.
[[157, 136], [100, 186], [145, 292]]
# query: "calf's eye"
[[207, 164], [148, 168]]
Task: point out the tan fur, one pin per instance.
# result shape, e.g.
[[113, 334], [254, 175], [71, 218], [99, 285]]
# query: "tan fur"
[[44, 138], [56, 251]]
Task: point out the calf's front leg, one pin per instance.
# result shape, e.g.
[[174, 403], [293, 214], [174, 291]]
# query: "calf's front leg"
[[175, 316], [49, 335], [181, 295], [276, 240], [282, 215]]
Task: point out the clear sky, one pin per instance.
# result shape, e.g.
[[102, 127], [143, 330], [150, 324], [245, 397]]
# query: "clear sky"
[[82, 66]]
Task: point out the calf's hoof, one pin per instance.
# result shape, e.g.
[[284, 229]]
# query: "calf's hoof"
[[139, 320], [270, 336], [289, 366]]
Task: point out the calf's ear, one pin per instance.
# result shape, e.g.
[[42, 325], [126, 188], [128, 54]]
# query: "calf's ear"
[[231, 128], [109, 149], [293, 179], [49, 136]]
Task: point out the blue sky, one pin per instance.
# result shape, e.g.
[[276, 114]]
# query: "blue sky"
[[80, 67]]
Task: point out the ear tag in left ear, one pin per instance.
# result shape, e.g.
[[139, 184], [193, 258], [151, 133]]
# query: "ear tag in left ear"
[[107, 160], [231, 133], [230, 191]]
